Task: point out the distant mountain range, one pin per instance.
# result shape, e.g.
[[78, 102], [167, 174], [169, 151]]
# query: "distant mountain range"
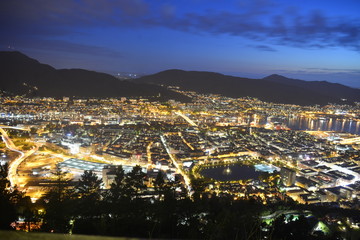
[[274, 88], [20, 74]]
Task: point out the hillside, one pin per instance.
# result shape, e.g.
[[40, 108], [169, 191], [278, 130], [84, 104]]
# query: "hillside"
[[20, 74], [331, 89], [274, 88]]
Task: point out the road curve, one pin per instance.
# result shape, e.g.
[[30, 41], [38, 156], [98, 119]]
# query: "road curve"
[[14, 164]]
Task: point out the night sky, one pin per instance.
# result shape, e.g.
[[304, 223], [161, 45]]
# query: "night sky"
[[307, 39]]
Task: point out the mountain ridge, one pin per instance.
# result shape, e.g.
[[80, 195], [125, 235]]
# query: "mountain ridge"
[[21, 75], [274, 88]]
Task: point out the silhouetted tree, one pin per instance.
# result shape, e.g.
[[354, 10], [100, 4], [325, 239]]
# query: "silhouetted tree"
[[159, 184], [88, 187], [290, 228], [127, 211], [7, 208], [88, 212], [139, 208], [198, 185], [135, 181], [58, 204], [26, 209], [33, 130], [118, 189]]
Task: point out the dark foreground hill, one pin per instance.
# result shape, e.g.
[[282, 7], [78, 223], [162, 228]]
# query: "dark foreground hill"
[[20, 74], [274, 88]]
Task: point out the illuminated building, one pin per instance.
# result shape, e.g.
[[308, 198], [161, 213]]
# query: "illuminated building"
[[288, 176]]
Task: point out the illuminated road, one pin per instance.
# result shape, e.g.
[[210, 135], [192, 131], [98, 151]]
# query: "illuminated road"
[[7, 140], [17, 128], [185, 176], [186, 142], [14, 164], [229, 155], [191, 122], [148, 153]]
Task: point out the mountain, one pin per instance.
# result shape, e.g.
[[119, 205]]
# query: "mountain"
[[20, 74], [274, 88], [331, 89]]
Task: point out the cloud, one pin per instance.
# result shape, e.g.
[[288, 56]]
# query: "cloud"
[[334, 70], [259, 20], [70, 12], [264, 48], [313, 30], [168, 11]]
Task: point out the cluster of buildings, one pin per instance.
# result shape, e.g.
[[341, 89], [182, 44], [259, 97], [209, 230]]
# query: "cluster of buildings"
[[173, 137]]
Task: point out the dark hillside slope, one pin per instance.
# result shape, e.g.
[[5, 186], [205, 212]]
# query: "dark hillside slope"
[[20, 74], [278, 91]]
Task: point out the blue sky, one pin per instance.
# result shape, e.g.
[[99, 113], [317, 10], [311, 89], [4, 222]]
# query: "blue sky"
[[310, 40]]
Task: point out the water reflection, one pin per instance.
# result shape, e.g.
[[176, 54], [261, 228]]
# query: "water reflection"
[[321, 123], [231, 173]]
